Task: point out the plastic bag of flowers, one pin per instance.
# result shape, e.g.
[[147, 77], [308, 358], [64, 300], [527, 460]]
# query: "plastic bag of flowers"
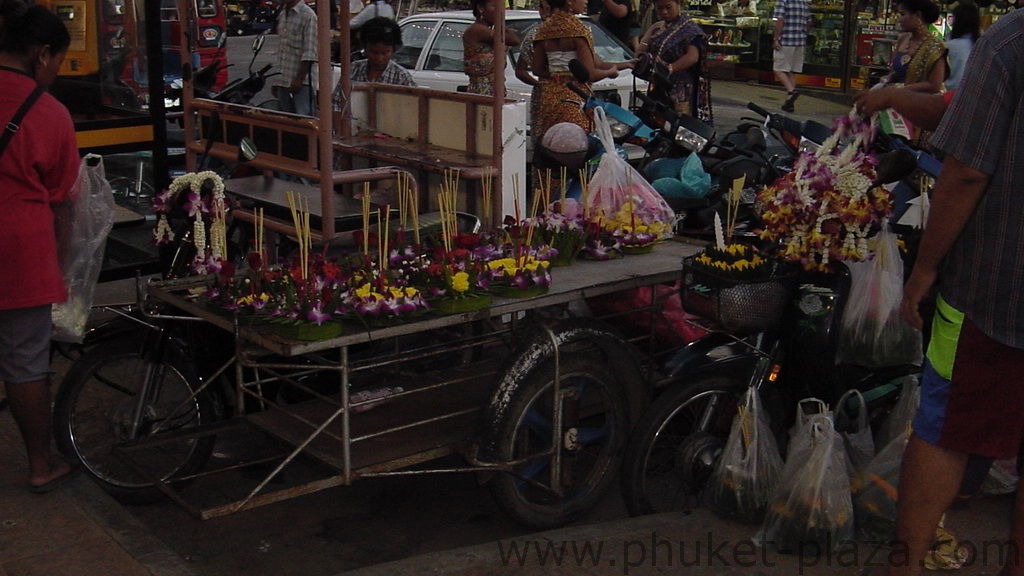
[[745, 475], [630, 208], [826, 208], [812, 513]]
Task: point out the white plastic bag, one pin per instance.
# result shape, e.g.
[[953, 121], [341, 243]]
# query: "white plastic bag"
[[617, 187], [745, 475], [873, 332], [812, 512], [82, 225]]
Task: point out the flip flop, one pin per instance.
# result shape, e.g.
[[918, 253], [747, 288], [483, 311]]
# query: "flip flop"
[[55, 483]]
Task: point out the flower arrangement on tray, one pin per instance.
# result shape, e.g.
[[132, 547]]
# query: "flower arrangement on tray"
[[636, 230], [517, 264], [201, 196], [456, 278], [827, 207], [732, 284]]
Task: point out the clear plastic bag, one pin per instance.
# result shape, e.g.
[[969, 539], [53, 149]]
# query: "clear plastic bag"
[[616, 187], [745, 475], [82, 226], [812, 512], [873, 332], [876, 492], [851, 419], [902, 415]]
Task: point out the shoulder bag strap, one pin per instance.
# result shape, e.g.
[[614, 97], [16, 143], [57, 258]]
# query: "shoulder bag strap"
[[15, 123]]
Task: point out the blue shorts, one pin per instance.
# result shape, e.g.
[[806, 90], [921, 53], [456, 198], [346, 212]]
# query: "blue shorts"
[[25, 344], [972, 389]]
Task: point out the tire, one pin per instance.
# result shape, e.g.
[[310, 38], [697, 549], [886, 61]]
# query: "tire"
[[93, 410], [595, 423], [670, 456]]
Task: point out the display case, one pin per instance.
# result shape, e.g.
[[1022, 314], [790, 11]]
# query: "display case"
[[734, 39]]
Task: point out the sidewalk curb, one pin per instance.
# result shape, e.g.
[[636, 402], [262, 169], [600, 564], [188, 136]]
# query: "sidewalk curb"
[[131, 535]]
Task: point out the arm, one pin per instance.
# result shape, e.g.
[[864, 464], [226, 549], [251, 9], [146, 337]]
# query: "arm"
[[645, 40], [684, 62], [780, 19], [598, 69], [615, 9], [922, 109], [523, 69], [956, 196]]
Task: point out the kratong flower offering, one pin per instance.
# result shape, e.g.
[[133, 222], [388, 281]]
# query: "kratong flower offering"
[[827, 207]]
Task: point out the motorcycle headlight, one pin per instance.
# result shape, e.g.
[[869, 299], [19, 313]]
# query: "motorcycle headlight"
[[619, 129], [690, 140]]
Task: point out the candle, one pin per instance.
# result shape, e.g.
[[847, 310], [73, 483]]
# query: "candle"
[[719, 235]]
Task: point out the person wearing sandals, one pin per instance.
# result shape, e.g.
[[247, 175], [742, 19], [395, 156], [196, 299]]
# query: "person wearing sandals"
[[792, 23], [38, 168], [972, 385]]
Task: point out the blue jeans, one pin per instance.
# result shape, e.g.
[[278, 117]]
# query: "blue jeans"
[[301, 102]]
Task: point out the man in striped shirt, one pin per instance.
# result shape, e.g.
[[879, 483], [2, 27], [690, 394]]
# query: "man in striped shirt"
[[792, 22], [296, 56]]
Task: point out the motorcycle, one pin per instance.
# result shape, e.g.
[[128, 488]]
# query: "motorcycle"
[[237, 91], [673, 451]]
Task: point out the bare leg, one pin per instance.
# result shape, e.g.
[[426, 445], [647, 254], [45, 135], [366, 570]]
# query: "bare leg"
[[929, 481], [787, 79], [30, 406]]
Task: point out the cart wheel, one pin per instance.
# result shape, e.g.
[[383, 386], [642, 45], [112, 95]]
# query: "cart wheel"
[[593, 423], [93, 413], [676, 444]]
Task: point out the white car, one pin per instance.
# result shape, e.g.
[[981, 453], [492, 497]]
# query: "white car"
[[432, 52]]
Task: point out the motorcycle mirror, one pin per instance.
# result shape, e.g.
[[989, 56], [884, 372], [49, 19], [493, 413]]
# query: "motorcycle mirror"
[[257, 44], [246, 150], [579, 71]]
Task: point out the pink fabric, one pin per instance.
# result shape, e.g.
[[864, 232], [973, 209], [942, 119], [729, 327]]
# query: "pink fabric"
[[38, 169]]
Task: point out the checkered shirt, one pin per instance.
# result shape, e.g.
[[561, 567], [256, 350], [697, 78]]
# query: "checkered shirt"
[[296, 30], [794, 14]]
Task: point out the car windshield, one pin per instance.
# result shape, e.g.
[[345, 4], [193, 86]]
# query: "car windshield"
[[606, 46]]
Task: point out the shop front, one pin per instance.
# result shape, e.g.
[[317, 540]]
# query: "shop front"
[[849, 44]]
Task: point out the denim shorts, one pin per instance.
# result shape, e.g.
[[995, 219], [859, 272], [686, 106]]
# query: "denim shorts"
[[25, 344]]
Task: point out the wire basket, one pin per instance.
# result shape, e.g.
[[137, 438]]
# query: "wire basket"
[[736, 305]]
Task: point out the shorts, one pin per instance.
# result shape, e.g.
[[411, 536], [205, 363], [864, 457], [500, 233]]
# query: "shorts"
[[788, 59], [972, 389], [25, 344]]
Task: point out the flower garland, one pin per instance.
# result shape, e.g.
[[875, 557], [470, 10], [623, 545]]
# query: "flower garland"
[[827, 207], [197, 204]]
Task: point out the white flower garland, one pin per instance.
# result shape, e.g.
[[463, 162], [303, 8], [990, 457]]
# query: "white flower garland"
[[193, 181]]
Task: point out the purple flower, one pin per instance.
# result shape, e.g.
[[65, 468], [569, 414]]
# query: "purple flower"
[[317, 316]]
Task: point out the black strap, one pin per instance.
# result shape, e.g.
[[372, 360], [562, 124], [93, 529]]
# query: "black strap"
[[15, 122]]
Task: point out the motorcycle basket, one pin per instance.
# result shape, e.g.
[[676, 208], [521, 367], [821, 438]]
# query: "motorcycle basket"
[[740, 306]]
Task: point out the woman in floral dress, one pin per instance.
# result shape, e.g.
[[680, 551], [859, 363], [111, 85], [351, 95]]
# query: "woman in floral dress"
[[478, 47], [560, 39]]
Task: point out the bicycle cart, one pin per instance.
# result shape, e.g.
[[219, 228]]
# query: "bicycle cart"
[[539, 398]]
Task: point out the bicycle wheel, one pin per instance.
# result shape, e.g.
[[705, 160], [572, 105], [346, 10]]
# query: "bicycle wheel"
[[93, 416], [594, 422], [672, 452]]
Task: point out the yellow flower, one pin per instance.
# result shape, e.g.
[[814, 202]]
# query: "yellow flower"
[[460, 282]]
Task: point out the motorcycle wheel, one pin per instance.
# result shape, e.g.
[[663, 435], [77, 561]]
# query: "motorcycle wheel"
[[672, 452], [93, 413], [594, 422]]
